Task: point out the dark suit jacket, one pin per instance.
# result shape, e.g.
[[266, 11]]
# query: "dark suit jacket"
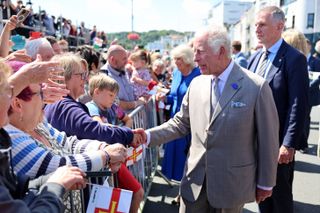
[[241, 60], [314, 64], [289, 81], [314, 93]]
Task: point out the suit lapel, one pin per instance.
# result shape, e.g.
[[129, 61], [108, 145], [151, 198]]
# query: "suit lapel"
[[254, 64], [207, 89], [276, 64], [232, 86]]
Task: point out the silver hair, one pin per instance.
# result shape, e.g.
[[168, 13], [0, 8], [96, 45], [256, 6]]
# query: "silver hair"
[[71, 63], [217, 37], [32, 47], [276, 13], [185, 52]]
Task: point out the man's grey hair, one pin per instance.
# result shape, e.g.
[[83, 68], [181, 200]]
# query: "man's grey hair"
[[32, 47], [184, 52], [276, 13], [217, 37]]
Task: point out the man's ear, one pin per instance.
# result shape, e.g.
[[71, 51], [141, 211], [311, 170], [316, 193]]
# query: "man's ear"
[[280, 26], [111, 59], [222, 51]]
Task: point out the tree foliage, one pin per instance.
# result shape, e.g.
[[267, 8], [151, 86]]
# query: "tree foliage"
[[145, 37]]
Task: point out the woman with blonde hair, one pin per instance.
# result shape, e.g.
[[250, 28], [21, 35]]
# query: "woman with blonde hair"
[[296, 39]]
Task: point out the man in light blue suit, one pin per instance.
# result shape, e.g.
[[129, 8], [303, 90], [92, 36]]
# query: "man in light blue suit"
[[238, 56]]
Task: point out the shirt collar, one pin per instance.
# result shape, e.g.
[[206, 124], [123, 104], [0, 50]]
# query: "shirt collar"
[[274, 48], [116, 71], [225, 74], [237, 54]]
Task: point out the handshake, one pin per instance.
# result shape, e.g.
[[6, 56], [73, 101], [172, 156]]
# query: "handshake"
[[139, 137], [116, 154]]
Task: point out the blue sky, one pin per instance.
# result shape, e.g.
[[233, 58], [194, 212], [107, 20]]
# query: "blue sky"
[[115, 15]]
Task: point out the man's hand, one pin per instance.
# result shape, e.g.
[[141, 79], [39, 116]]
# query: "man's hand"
[[69, 177], [53, 91], [19, 55], [286, 155], [261, 194], [117, 153], [139, 137]]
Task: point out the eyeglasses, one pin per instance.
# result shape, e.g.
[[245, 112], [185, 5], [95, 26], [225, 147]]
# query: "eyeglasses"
[[8, 91], [83, 75], [40, 93]]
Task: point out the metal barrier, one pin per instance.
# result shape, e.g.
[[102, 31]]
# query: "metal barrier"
[[145, 117]]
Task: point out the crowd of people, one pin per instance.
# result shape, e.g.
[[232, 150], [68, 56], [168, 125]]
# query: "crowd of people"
[[51, 25], [230, 129]]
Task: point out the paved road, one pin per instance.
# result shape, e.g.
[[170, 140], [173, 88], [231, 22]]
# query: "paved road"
[[306, 187]]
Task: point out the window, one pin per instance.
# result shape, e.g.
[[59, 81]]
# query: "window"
[[286, 2], [293, 21], [310, 20]]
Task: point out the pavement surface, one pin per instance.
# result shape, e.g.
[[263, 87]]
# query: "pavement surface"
[[306, 185]]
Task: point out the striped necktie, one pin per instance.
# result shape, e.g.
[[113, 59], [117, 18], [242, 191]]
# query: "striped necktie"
[[263, 65], [216, 93]]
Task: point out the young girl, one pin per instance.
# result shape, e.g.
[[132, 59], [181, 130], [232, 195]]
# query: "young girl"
[[141, 75]]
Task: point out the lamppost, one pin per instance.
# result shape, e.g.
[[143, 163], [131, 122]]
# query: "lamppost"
[[132, 16]]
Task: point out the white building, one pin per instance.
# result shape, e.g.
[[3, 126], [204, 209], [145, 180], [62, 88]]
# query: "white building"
[[168, 42], [303, 15], [228, 12]]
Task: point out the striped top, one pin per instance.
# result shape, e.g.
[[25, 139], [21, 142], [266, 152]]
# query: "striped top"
[[32, 158]]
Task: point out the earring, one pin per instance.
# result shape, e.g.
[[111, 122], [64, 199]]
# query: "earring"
[[21, 118]]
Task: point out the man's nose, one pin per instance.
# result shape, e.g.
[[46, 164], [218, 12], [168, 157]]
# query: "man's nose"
[[196, 57]]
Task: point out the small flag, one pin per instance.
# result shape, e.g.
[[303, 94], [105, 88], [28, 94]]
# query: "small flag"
[[109, 200], [134, 155], [97, 43]]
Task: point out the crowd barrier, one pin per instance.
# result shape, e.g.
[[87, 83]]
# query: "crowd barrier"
[[144, 116]]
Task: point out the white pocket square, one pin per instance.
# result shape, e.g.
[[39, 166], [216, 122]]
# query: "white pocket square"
[[237, 104]]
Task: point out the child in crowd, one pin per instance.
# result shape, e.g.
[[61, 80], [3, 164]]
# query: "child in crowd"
[[103, 91], [141, 75]]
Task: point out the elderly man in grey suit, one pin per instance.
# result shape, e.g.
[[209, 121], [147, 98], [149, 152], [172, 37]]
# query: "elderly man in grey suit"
[[234, 147]]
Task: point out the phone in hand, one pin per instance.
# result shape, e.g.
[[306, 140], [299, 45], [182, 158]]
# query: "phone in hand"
[[22, 15]]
